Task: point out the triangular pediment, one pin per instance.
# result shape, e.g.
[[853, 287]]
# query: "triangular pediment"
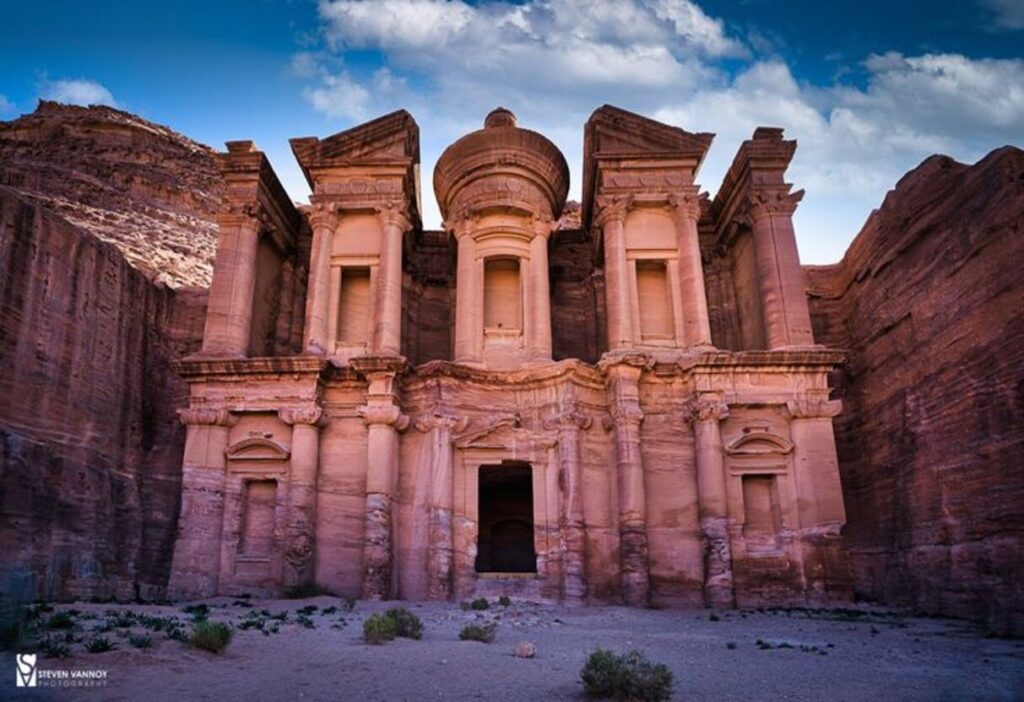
[[388, 140], [612, 131]]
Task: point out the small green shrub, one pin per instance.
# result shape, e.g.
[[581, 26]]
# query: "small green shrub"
[[379, 628], [304, 620], [199, 612], [209, 636], [330, 610], [141, 641], [474, 632], [304, 590], [480, 603], [407, 624], [100, 644], [307, 610], [53, 648], [713, 617], [504, 601], [61, 620], [122, 620], [626, 677]]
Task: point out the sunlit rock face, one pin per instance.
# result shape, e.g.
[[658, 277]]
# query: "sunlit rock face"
[[928, 302], [543, 400]]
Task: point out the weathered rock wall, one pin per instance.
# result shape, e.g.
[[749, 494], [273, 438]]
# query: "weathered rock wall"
[[928, 300], [90, 459]]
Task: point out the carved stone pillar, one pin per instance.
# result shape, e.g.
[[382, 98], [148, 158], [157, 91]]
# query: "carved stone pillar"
[[229, 311], [706, 414], [440, 541], [696, 321], [612, 220], [196, 562], [384, 421], [819, 496], [468, 300], [300, 540], [540, 335], [571, 521], [787, 320], [626, 418], [388, 317], [324, 222]]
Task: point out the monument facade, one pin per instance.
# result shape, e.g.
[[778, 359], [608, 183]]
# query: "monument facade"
[[617, 403]]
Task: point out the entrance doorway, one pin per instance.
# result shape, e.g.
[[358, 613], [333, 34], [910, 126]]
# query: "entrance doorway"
[[505, 543]]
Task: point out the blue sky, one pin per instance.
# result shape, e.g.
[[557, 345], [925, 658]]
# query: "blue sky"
[[869, 89]]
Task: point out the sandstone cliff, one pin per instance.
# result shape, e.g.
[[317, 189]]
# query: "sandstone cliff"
[[98, 210], [928, 301]]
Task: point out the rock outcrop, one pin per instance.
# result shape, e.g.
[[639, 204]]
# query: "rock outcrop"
[[928, 301], [99, 212]]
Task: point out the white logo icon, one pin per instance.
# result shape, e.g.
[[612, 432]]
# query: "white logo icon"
[[26, 663]]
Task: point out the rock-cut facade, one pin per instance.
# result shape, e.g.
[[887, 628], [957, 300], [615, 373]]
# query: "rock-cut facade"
[[616, 402]]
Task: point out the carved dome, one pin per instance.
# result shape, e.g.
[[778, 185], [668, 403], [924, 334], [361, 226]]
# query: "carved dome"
[[501, 167]]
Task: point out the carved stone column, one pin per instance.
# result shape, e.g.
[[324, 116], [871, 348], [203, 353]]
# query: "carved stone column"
[[540, 335], [626, 418], [696, 321], [300, 553], [612, 220], [706, 414], [229, 311], [572, 524], [196, 562], [819, 495], [468, 300], [324, 222], [440, 543], [384, 421], [388, 318], [787, 320]]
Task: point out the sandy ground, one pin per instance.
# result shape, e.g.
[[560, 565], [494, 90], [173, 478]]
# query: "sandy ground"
[[872, 655]]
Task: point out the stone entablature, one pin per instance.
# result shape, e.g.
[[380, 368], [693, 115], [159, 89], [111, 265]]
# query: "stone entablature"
[[666, 472]]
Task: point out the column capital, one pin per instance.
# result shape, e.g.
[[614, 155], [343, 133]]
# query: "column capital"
[[619, 414], [207, 416], [771, 203], [685, 203], [440, 419], [324, 214], [389, 415], [612, 208], [814, 408], [707, 410], [393, 213], [568, 419], [542, 225], [309, 414]]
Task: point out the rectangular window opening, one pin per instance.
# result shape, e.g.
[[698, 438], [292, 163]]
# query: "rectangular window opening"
[[258, 518], [354, 307], [502, 294], [654, 300], [762, 519]]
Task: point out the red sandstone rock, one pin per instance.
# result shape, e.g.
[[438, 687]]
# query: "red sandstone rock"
[[929, 300]]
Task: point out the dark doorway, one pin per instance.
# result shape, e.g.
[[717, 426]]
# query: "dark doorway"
[[505, 544]]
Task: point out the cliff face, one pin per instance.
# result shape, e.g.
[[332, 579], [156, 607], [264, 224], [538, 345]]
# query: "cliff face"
[[928, 301], [98, 209], [137, 185]]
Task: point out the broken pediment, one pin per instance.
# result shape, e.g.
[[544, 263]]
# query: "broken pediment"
[[259, 450], [612, 131]]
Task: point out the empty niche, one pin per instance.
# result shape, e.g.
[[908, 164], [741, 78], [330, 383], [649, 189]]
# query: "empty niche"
[[354, 306], [654, 300], [761, 514], [258, 518], [502, 298]]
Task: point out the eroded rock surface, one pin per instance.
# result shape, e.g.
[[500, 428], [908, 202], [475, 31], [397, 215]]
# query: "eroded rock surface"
[[929, 301]]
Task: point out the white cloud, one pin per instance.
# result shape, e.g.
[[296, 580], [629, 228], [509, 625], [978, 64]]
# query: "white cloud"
[[5, 105], [76, 92], [1008, 14], [554, 61]]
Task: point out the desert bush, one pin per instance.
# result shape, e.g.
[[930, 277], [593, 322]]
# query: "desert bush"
[[209, 636], [61, 620], [626, 677], [307, 610], [379, 628], [141, 641], [407, 624], [199, 612], [504, 600], [480, 603], [304, 620], [54, 648], [100, 644], [474, 632]]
